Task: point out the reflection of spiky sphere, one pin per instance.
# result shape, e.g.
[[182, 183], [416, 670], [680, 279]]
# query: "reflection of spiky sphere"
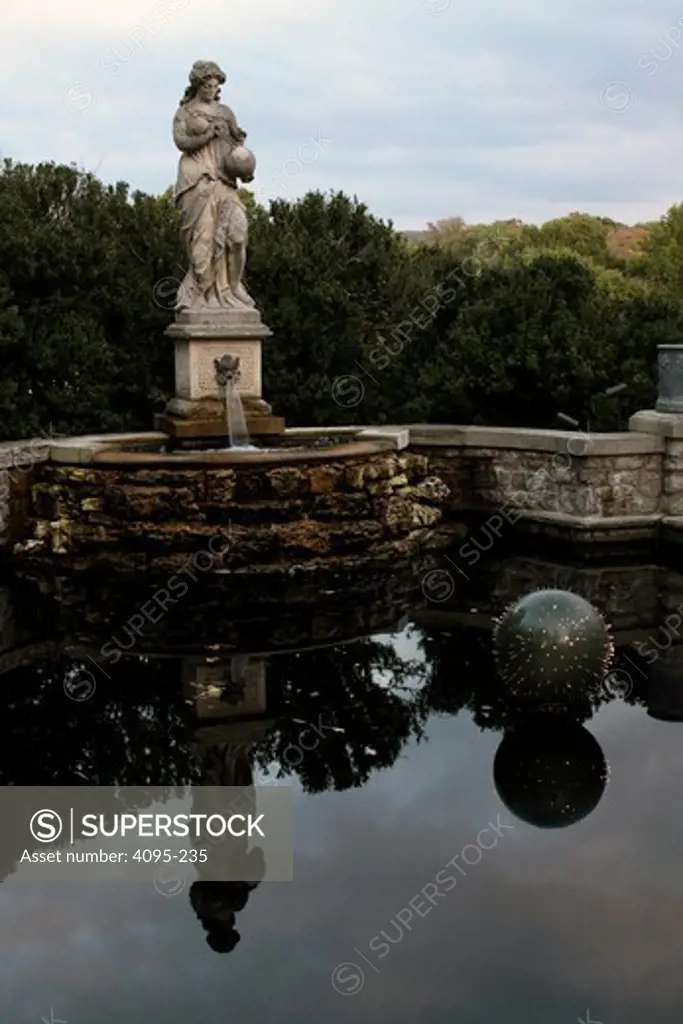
[[549, 773], [550, 641]]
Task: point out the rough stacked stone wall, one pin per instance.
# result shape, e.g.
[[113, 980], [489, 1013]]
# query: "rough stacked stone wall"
[[605, 486], [18, 462], [242, 517], [673, 478], [388, 503]]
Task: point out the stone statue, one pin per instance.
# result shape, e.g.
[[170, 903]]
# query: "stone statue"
[[214, 223]]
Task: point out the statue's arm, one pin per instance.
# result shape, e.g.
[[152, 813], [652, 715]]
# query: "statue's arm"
[[186, 142], [237, 133]]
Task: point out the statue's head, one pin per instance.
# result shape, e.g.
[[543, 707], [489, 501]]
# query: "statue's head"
[[206, 79]]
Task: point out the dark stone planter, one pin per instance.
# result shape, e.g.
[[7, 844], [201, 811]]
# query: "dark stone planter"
[[665, 698], [670, 390]]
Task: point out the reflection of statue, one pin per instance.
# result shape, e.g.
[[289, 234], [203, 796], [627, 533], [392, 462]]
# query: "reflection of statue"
[[549, 772], [216, 904], [213, 218]]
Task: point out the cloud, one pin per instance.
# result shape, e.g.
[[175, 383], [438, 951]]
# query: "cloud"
[[544, 924], [75, 16], [487, 111]]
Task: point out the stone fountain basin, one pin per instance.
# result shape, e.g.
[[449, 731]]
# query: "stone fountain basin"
[[296, 446], [326, 497]]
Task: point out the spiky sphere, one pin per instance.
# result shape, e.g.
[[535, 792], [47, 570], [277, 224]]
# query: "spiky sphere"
[[552, 642]]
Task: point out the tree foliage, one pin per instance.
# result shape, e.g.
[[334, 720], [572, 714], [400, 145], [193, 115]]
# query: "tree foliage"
[[661, 260], [503, 323], [81, 336]]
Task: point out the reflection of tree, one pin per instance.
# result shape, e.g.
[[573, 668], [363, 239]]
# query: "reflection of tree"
[[457, 663], [127, 733], [633, 681], [363, 700], [133, 731], [356, 704], [136, 730]]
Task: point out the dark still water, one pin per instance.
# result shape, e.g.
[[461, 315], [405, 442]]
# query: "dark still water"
[[458, 854]]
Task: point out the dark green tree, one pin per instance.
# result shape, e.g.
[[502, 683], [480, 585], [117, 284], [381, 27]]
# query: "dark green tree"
[[504, 324], [81, 335], [331, 280]]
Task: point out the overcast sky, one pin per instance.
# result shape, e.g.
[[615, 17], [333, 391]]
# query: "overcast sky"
[[484, 109]]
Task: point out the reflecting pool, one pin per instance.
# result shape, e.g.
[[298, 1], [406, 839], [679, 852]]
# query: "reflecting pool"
[[458, 853]]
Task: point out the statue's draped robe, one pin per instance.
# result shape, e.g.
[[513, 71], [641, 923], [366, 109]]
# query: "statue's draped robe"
[[213, 217]]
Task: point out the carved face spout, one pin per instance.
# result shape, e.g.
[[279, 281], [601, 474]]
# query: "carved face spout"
[[227, 370]]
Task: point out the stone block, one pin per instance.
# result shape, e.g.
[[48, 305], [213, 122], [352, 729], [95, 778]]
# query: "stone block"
[[381, 488], [673, 483], [673, 504], [256, 514], [578, 501], [168, 478], [355, 537], [401, 515], [332, 507], [414, 464], [431, 490], [220, 485], [381, 468], [355, 476], [288, 482], [153, 504], [303, 538], [324, 479]]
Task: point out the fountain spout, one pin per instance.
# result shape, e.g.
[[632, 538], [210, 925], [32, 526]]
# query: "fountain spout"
[[227, 370], [227, 377]]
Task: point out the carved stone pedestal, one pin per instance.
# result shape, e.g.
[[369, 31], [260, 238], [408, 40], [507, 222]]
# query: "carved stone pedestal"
[[198, 409]]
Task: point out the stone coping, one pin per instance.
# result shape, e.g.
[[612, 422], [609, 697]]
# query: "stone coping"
[[38, 448], [590, 522], [82, 449], [582, 524], [285, 457], [647, 434], [110, 449], [659, 424], [576, 442]]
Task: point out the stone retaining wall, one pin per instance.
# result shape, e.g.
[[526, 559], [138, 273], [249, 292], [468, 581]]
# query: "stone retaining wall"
[[246, 517], [600, 484], [86, 503], [18, 462]]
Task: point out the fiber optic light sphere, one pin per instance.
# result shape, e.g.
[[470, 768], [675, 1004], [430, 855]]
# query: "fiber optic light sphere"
[[550, 774], [552, 643]]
